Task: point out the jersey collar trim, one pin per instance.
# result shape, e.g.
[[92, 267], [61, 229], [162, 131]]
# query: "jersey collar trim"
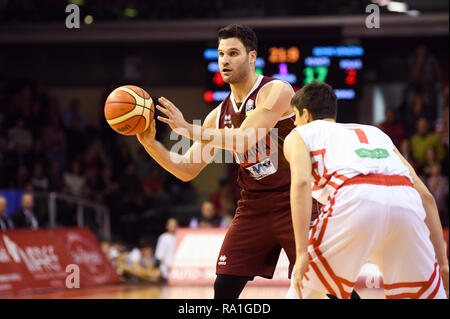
[[257, 83]]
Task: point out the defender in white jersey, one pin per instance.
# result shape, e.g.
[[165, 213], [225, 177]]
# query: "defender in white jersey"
[[374, 207]]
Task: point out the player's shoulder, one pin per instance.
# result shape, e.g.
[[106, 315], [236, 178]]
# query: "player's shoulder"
[[315, 129], [274, 83], [292, 136], [371, 128], [317, 125], [275, 92], [290, 141]]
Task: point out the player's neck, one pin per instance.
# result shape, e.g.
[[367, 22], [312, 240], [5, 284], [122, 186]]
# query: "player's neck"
[[240, 90]]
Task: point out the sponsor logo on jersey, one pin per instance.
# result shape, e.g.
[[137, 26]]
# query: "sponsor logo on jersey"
[[227, 121], [249, 106], [376, 153], [222, 260], [261, 169]]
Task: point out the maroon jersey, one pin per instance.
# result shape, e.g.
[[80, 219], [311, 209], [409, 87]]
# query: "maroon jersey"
[[263, 167], [262, 224]]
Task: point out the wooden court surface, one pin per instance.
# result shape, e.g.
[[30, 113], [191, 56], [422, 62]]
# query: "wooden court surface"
[[127, 291]]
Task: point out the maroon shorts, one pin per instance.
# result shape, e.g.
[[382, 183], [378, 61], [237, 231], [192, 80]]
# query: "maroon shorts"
[[261, 227]]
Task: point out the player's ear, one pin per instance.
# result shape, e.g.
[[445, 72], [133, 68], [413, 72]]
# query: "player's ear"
[[310, 117], [306, 115], [252, 56]]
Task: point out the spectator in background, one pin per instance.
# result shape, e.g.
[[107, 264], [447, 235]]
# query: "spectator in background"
[[106, 192], [441, 126], [76, 139], [3, 130], [36, 112], [414, 110], [95, 156], [427, 73], [129, 205], [115, 251], [55, 177], [37, 152], [222, 199], [438, 185], [124, 266], [21, 180], [107, 187], [19, 133], [3, 163], [149, 263], [74, 114], [55, 153], [39, 181], [105, 246], [129, 180], [165, 248], [25, 217], [441, 129], [91, 177], [5, 222], [143, 165], [430, 160], [208, 217], [19, 103], [143, 263], [17, 157], [155, 201], [392, 127], [122, 157], [424, 139], [405, 150], [54, 136], [73, 180], [154, 181]]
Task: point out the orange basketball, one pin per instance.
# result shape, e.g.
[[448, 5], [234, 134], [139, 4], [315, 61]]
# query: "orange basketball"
[[129, 110]]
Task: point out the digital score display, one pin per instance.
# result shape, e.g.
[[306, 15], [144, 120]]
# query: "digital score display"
[[340, 66]]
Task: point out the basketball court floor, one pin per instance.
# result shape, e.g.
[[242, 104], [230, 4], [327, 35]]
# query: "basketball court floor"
[[128, 291]]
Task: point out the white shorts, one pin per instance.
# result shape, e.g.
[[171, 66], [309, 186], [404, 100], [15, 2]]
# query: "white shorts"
[[383, 224]]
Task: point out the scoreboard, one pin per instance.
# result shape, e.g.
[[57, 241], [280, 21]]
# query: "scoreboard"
[[338, 65]]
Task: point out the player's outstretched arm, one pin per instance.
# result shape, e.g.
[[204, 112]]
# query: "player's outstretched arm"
[[185, 167], [299, 160], [432, 220], [273, 101]]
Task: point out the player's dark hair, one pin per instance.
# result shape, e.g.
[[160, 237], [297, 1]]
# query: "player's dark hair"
[[245, 34], [318, 98]]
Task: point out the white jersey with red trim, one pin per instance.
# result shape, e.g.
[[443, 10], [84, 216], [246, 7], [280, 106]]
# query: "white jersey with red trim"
[[342, 151]]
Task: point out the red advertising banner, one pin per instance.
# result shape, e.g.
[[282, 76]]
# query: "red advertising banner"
[[196, 254], [32, 260]]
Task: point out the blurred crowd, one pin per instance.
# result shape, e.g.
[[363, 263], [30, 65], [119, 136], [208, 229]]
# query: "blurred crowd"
[[419, 126], [144, 262], [45, 147], [149, 260]]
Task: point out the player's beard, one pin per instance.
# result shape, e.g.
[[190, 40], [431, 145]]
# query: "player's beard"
[[239, 73]]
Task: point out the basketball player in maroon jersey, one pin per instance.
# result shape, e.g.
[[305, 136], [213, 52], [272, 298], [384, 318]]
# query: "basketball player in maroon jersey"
[[262, 224]]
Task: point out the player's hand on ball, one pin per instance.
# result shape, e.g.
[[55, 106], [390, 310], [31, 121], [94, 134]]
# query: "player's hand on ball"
[[174, 118], [444, 274], [148, 136]]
